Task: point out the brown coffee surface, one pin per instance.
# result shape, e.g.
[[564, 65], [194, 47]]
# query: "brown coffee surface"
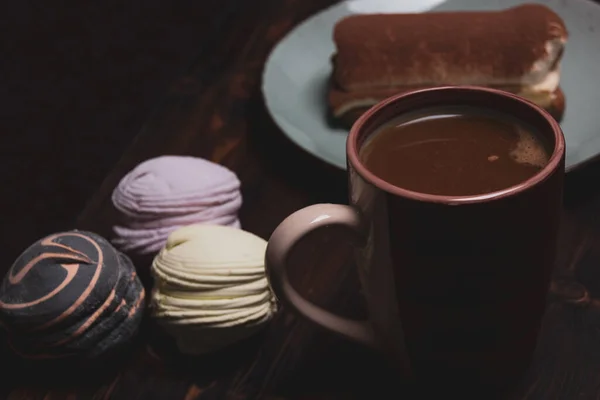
[[455, 152]]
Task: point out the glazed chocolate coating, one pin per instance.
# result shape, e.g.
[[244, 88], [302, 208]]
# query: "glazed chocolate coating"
[[437, 48], [70, 294]]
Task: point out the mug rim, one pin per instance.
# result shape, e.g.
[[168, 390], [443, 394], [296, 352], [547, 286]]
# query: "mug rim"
[[352, 146]]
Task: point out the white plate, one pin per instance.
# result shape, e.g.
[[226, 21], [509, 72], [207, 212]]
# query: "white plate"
[[297, 70]]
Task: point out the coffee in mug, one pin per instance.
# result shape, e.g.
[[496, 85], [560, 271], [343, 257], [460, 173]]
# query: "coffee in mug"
[[455, 197], [455, 151]]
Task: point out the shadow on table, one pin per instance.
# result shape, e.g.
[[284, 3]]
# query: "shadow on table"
[[286, 160], [582, 185], [61, 373]]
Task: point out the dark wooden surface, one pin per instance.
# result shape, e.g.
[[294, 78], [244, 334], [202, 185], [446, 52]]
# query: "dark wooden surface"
[[216, 111], [77, 81]]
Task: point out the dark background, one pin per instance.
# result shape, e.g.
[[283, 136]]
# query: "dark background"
[[77, 81]]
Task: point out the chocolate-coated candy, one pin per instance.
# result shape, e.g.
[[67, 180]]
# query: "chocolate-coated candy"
[[70, 294]]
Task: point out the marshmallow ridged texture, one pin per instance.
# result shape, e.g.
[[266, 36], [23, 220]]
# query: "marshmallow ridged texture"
[[210, 287], [165, 193]]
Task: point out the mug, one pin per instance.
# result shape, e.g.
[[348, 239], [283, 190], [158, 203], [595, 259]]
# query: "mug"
[[455, 286]]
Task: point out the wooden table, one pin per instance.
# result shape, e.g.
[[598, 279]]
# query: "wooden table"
[[216, 111]]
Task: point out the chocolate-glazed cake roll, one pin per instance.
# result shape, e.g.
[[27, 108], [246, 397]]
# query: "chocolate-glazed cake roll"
[[518, 50], [70, 294]]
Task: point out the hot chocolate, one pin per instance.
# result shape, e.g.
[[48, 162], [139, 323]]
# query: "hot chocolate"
[[455, 151]]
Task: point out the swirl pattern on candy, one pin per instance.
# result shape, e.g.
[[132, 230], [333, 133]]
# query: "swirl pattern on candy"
[[70, 294], [211, 288], [165, 193]]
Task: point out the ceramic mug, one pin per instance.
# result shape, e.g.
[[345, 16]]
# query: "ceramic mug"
[[455, 286]]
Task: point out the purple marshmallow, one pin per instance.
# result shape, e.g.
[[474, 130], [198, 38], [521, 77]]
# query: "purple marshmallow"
[[168, 192]]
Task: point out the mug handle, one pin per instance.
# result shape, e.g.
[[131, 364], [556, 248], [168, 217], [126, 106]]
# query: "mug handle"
[[283, 240]]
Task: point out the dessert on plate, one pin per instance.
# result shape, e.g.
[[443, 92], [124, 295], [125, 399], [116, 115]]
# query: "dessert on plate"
[[380, 55]]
